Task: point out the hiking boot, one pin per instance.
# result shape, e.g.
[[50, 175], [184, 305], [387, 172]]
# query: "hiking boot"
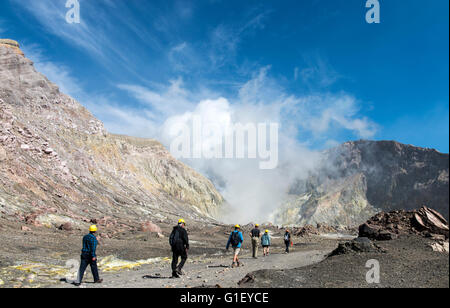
[[99, 281], [175, 275], [77, 284], [233, 265], [180, 272]]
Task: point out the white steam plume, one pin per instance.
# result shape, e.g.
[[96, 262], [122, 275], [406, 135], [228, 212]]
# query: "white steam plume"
[[254, 193]]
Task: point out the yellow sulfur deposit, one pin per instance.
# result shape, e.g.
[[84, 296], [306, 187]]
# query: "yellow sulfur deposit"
[[111, 263], [37, 273], [40, 269]]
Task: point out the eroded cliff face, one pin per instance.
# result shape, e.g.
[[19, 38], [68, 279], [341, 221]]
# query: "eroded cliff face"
[[358, 179], [59, 164]]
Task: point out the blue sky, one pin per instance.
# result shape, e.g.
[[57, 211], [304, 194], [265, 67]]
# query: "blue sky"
[[137, 63]]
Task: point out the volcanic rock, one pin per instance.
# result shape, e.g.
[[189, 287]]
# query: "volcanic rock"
[[440, 247], [66, 227], [121, 177], [356, 180], [387, 226], [358, 245], [309, 230], [249, 278]]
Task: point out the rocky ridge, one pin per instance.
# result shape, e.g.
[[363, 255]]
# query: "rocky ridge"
[[58, 164], [358, 179]]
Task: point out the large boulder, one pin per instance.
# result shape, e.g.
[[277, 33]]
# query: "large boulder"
[[369, 231], [149, 226], [429, 220], [66, 227], [358, 245], [387, 226]]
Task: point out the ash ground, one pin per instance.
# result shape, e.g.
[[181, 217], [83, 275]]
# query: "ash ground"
[[408, 262]]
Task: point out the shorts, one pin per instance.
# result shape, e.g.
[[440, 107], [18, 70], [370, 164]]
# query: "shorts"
[[265, 246], [236, 250]]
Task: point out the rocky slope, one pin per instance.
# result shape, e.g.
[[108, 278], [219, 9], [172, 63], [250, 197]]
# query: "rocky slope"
[[58, 164], [358, 179]]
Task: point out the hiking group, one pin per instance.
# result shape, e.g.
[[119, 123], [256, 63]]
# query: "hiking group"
[[179, 243]]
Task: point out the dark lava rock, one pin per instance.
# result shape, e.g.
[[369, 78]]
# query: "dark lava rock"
[[358, 245], [387, 226], [249, 278], [370, 231], [386, 236]]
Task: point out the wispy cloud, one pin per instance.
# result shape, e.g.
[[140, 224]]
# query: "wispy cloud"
[[164, 102], [112, 36], [219, 48], [225, 38], [316, 72], [92, 34], [185, 58], [51, 15]]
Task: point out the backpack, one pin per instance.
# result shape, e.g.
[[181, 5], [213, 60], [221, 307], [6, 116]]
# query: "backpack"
[[265, 239], [235, 239], [174, 238]]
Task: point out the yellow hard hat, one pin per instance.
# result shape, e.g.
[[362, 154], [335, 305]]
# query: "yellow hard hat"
[[256, 225], [237, 227], [181, 221], [267, 231], [93, 228]]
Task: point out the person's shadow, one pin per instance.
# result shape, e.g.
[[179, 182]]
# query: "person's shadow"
[[156, 276], [70, 281]]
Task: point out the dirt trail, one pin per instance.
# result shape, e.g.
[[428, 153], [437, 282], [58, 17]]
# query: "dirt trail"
[[207, 272], [41, 257]]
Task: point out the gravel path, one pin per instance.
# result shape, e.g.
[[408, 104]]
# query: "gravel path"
[[205, 272], [39, 258]]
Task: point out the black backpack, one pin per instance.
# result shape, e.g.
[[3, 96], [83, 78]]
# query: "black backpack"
[[235, 239], [175, 239]]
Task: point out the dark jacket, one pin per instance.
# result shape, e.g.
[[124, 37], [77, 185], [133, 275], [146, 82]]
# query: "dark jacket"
[[255, 232], [179, 240], [89, 245], [288, 235]]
